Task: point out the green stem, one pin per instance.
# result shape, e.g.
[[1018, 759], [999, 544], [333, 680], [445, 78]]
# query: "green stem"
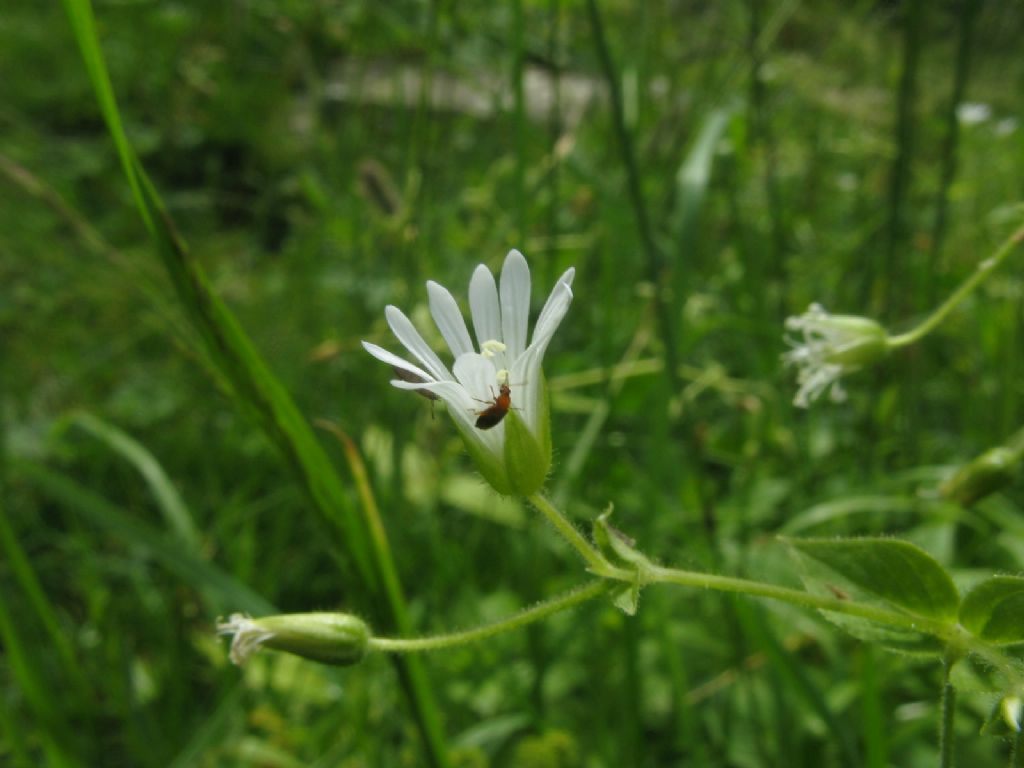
[[521, 619], [950, 634], [1017, 750], [654, 574], [594, 559], [948, 712], [659, 575], [982, 273]]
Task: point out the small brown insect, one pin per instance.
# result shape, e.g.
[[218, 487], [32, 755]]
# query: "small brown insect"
[[412, 378], [492, 415], [842, 594]]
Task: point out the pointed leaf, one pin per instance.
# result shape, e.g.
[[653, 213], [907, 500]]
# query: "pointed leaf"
[[994, 610], [626, 598], [619, 549], [900, 573]]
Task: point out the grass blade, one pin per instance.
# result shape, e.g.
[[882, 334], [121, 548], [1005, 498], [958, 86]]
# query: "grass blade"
[[223, 590], [178, 518], [258, 391]]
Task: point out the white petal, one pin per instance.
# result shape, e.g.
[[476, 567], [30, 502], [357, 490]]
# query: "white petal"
[[527, 367], [515, 303], [406, 333], [478, 376], [453, 394], [460, 405], [387, 357], [556, 306], [526, 371], [449, 319], [483, 305]]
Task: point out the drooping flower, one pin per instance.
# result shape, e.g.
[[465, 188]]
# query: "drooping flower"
[[828, 347], [512, 451]]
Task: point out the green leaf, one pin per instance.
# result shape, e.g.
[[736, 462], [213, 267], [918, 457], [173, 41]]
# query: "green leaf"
[[221, 588], [900, 573], [618, 548], [175, 513], [994, 610]]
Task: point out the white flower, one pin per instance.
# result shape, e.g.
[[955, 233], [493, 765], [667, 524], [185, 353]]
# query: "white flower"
[[972, 112], [501, 355], [830, 346]]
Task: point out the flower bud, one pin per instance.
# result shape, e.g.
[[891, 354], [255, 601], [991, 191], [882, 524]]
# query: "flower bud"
[[330, 638], [986, 474], [1011, 708]]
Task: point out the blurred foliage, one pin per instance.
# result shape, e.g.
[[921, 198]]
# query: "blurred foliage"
[[324, 159]]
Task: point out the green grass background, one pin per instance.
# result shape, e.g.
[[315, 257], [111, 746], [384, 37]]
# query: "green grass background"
[[322, 160]]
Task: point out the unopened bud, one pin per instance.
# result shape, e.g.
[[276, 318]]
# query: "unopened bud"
[[981, 477], [1011, 709], [330, 638]]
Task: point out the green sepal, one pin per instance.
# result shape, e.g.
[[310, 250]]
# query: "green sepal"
[[619, 550], [994, 610], [865, 342], [526, 461], [526, 457], [490, 466], [330, 638]]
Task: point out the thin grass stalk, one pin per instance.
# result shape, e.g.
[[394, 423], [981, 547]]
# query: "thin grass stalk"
[[222, 590], [25, 577], [950, 145], [655, 261], [46, 712], [12, 736], [871, 711], [900, 174], [754, 626], [764, 135], [630, 728], [947, 718], [260, 393], [1017, 750], [554, 134], [519, 95]]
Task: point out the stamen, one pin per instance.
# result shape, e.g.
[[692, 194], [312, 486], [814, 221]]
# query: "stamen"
[[491, 347]]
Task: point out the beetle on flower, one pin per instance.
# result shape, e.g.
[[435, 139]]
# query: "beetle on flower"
[[513, 453]]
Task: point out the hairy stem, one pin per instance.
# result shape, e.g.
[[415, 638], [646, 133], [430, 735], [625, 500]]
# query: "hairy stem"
[[982, 273], [570, 533], [486, 631]]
